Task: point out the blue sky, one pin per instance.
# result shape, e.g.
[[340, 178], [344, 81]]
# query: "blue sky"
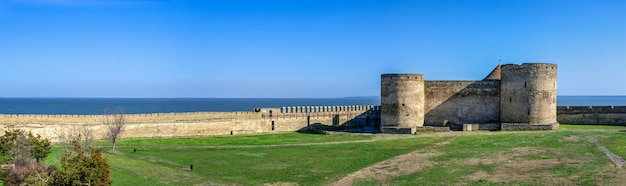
[[298, 48]]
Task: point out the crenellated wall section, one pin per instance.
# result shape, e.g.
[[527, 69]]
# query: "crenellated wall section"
[[511, 97], [592, 115], [264, 120]]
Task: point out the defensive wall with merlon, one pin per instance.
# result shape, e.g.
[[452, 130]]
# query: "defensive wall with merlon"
[[511, 97], [592, 115], [263, 120], [56, 127]]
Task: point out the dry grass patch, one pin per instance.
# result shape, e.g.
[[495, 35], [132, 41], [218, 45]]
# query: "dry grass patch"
[[397, 166], [281, 184], [511, 167]]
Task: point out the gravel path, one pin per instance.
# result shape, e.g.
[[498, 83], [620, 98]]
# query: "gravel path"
[[616, 159]]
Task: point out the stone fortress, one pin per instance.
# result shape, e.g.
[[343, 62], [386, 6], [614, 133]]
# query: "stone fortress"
[[511, 97]]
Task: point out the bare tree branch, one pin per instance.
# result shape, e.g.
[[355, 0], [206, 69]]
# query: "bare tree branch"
[[86, 135], [115, 123]]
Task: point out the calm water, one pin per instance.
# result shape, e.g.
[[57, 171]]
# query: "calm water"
[[591, 101], [156, 105]]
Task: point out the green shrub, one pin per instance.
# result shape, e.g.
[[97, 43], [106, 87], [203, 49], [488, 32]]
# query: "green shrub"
[[83, 167]]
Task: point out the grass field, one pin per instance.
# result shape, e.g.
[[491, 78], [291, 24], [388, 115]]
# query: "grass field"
[[563, 157]]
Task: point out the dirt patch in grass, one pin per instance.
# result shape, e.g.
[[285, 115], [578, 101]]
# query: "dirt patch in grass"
[[616, 159], [477, 161], [573, 138], [510, 168], [522, 171], [281, 184], [528, 150], [619, 179], [506, 156], [397, 166]]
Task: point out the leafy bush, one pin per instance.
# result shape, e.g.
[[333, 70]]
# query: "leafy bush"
[[16, 145], [83, 167]]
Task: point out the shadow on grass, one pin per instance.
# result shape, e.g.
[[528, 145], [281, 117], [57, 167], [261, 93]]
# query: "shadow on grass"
[[318, 128]]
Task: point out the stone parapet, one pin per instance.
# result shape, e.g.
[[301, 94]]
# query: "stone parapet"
[[526, 126]]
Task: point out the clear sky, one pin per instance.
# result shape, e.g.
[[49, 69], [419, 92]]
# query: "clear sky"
[[298, 48]]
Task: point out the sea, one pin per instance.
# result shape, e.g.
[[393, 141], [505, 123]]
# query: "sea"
[[92, 106]]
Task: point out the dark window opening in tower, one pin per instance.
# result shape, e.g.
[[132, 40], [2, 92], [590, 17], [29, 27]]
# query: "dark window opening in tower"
[[510, 99], [524, 84]]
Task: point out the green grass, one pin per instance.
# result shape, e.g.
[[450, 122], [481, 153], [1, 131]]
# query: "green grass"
[[129, 171], [616, 143], [586, 127], [307, 165], [156, 163], [452, 169], [267, 139]]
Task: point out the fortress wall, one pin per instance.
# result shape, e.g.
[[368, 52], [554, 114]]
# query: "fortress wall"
[[528, 93], [402, 100], [57, 127], [129, 118], [592, 115], [58, 132], [461, 102], [320, 109]]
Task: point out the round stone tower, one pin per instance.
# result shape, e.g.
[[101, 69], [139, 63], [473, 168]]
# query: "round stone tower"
[[402, 101], [528, 94]]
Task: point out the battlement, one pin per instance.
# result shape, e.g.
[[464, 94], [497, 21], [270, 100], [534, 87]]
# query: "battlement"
[[591, 109], [592, 115], [261, 120], [178, 116], [321, 109], [536, 66], [523, 94], [471, 83], [403, 77]]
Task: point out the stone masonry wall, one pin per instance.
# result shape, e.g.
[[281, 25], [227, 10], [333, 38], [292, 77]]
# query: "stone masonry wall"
[[57, 127], [528, 93], [592, 115], [402, 100], [461, 102]]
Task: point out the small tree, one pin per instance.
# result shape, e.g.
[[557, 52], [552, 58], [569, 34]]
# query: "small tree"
[[22, 149], [114, 121], [85, 134], [83, 167], [40, 147], [16, 145]]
